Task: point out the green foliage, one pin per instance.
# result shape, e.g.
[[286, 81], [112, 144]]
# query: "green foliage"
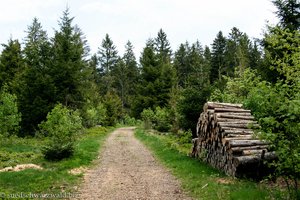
[[282, 52], [237, 88], [190, 105], [130, 121], [162, 120], [36, 89], [92, 116], [184, 137], [61, 127], [159, 119], [113, 106], [11, 62], [148, 117], [68, 67], [288, 12], [9, 115], [218, 67], [278, 112]]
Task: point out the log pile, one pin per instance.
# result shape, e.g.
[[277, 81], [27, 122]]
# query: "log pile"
[[226, 140]]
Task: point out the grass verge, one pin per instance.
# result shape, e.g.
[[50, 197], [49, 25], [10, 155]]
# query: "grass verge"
[[198, 179], [55, 177]]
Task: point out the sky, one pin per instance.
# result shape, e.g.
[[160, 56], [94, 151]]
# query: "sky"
[[139, 20]]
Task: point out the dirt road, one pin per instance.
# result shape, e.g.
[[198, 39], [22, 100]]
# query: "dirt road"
[[127, 170]]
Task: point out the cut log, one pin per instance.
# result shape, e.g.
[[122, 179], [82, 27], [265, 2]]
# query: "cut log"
[[253, 152], [241, 149], [232, 110], [243, 143], [213, 105], [237, 131], [242, 160], [236, 117], [234, 125]]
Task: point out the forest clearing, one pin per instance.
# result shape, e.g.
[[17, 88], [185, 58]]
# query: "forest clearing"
[[219, 121]]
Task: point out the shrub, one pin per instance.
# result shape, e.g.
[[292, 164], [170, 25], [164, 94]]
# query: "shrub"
[[9, 115], [162, 119], [159, 120], [93, 116], [130, 121], [148, 117], [60, 127]]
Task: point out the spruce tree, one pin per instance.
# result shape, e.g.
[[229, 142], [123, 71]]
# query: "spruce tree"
[[132, 74], [37, 91], [162, 46], [196, 89], [11, 62], [69, 64], [288, 12], [181, 64], [237, 53], [218, 65], [108, 58]]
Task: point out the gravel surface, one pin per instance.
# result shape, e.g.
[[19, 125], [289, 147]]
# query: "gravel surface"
[[126, 169]]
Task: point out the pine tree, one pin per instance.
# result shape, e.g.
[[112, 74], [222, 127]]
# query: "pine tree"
[[37, 91], [108, 58], [197, 88], [69, 64], [218, 65], [162, 47], [146, 91], [237, 53], [255, 58], [132, 74], [181, 64], [288, 12], [108, 54], [11, 62]]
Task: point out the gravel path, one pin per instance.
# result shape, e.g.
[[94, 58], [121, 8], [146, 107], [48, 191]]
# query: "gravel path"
[[127, 170]]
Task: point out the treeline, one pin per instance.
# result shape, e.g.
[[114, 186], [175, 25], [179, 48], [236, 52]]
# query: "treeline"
[[48, 71]]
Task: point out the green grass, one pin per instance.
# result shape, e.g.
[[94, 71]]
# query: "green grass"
[[198, 179], [54, 178]]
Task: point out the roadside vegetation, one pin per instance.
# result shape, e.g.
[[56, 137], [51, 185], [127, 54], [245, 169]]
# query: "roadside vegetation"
[[199, 179]]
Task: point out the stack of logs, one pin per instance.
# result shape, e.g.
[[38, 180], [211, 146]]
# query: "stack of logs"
[[226, 140]]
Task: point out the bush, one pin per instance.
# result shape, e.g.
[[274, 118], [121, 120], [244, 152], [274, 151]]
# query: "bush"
[[159, 120], [148, 117], [60, 127], [93, 116], [130, 121], [162, 120], [9, 115]]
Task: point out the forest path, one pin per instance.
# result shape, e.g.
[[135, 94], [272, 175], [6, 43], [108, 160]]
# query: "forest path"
[[126, 169]]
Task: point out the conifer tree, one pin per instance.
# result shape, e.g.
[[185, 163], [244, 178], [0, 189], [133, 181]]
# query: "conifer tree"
[[218, 64], [108, 58], [162, 46], [69, 64], [288, 12], [37, 91], [11, 62], [181, 64]]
